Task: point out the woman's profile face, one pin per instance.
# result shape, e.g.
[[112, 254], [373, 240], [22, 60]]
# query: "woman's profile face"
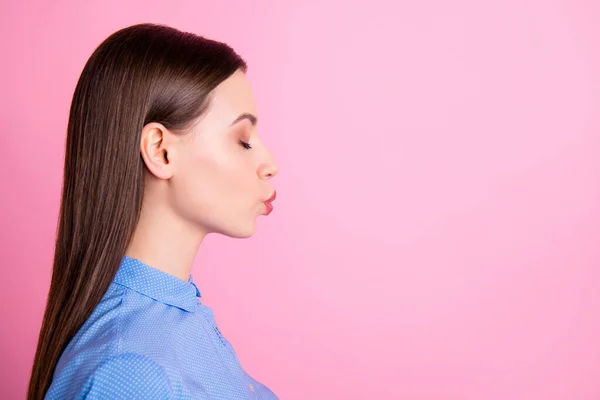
[[211, 178]]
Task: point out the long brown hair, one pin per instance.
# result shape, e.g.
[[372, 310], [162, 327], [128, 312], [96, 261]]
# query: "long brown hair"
[[139, 74]]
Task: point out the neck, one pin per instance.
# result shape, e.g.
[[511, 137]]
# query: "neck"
[[164, 241]]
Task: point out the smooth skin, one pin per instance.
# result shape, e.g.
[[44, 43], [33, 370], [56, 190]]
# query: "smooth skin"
[[202, 182]]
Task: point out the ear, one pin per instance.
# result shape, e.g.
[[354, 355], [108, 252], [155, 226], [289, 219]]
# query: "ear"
[[155, 145]]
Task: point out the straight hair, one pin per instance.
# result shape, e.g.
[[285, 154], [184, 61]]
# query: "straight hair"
[[140, 74]]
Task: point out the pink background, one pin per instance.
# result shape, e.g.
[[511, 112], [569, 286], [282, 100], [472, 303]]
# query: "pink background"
[[435, 233]]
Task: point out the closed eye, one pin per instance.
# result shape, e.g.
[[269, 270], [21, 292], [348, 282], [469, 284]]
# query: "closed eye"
[[245, 145]]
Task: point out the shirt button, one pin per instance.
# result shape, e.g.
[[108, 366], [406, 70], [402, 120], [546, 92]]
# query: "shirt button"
[[251, 387]]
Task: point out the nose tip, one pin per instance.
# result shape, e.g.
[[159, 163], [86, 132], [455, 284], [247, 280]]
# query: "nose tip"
[[271, 174], [267, 171]]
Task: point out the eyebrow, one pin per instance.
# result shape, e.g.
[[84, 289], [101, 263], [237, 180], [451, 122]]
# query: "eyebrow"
[[252, 118]]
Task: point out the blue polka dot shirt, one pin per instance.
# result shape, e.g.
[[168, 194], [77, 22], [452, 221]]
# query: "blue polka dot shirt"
[[150, 337]]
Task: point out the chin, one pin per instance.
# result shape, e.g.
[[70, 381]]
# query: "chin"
[[239, 231]]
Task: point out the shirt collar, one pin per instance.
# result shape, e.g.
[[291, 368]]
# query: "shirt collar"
[[157, 284]]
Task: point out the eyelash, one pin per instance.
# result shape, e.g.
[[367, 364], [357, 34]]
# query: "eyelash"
[[245, 145]]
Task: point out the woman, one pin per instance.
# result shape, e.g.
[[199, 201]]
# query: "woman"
[[162, 149]]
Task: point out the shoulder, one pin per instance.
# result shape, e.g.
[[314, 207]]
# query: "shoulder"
[[127, 375]]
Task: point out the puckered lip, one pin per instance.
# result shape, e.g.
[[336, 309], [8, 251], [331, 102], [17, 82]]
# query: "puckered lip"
[[270, 199]]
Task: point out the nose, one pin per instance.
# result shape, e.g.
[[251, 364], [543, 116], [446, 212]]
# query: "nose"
[[268, 170]]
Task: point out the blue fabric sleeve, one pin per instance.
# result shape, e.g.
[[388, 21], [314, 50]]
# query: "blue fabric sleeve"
[[127, 376], [261, 390]]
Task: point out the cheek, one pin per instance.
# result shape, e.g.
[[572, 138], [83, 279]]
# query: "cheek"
[[218, 184]]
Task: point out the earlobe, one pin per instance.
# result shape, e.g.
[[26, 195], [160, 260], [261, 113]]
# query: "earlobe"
[[154, 152]]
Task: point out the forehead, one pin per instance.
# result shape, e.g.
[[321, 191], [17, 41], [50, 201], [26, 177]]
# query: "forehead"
[[232, 97]]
